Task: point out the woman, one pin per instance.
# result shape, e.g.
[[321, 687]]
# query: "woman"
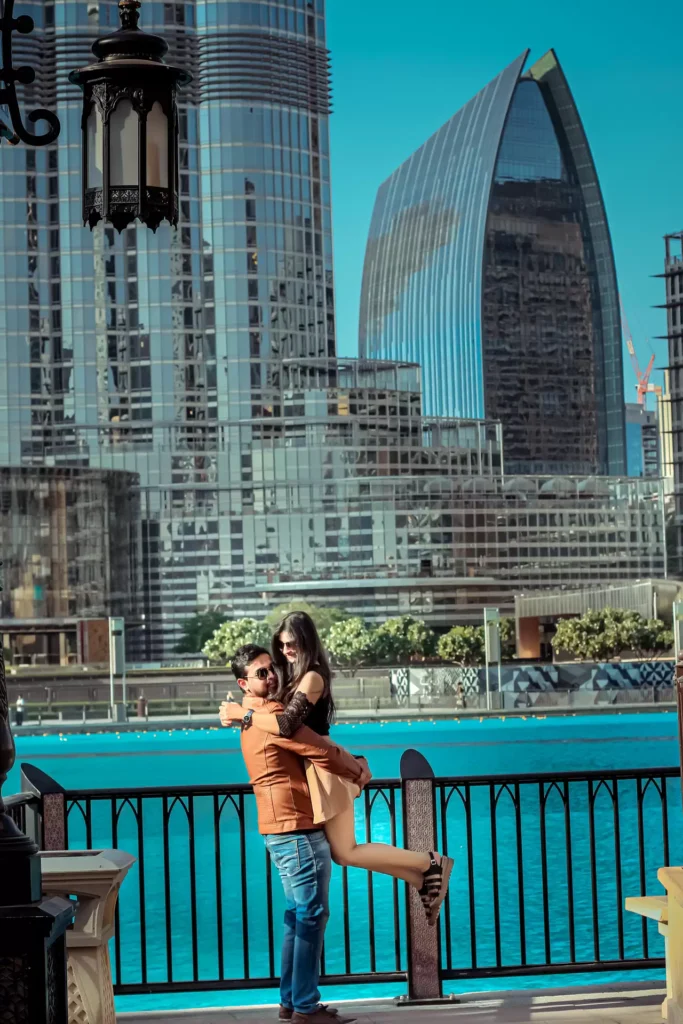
[[306, 697]]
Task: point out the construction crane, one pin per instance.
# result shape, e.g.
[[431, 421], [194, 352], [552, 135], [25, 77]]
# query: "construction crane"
[[643, 387]]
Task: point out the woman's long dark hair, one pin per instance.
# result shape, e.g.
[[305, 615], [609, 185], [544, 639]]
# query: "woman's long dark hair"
[[311, 657]]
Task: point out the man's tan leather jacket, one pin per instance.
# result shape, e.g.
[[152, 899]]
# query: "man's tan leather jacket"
[[278, 774]]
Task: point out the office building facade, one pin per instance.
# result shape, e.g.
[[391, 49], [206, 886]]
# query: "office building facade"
[[200, 364], [673, 280], [140, 351], [70, 543], [666, 452], [489, 262], [642, 442]]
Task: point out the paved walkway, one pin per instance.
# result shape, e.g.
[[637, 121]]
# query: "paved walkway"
[[630, 1005]]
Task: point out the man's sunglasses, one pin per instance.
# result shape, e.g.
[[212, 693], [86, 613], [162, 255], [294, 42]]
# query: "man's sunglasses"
[[260, 673]]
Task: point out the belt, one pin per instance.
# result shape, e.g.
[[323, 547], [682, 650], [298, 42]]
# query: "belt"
[[301, 832]]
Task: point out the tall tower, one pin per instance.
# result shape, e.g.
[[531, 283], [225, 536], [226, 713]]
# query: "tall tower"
[[489, 261], [673, 277], [143, 352]]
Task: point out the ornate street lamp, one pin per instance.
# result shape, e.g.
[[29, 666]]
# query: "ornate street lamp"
[[24, 75], [130, 128]]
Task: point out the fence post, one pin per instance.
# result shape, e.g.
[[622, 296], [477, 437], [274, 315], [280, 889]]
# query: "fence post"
[[419, 832], [50, 829]]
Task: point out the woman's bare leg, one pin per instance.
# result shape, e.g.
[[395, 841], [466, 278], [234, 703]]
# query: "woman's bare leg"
[[389, 860]]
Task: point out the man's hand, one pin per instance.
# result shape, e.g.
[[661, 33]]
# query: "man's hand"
[[367, 774], [231, 713]]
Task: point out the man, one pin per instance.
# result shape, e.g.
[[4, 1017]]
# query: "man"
[[19, 713], [298, 848]]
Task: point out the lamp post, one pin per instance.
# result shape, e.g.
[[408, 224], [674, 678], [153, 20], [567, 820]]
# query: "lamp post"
[[130, 128]]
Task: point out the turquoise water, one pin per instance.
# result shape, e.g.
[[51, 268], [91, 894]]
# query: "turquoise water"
[[454, 748], [458, 747]]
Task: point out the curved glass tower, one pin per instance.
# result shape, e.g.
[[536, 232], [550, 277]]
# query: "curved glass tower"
[[489, 261]]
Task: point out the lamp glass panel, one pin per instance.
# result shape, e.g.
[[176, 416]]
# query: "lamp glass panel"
[[95, 148], [123, 145], [157, 147]]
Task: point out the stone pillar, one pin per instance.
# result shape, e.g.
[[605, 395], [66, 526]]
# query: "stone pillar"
[[94, 877], [46, 819], [419, 831]]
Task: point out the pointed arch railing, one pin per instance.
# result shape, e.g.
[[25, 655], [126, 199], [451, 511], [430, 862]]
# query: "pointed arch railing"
[[543, 865]]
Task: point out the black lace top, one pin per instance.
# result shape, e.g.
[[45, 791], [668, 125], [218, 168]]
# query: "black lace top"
[[300, 712]]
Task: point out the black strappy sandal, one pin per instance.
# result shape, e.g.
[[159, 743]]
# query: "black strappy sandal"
[[435, 886]]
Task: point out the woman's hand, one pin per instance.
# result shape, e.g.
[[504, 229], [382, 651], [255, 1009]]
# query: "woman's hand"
[[230, 713], [367, 774]]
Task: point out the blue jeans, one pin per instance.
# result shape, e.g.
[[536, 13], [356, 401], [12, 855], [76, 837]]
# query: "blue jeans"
[[305, 866]]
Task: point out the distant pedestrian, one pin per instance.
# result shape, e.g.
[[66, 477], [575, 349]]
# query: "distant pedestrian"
[[19, 715]]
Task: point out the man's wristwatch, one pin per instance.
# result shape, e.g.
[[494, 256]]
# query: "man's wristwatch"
[[246, 721]]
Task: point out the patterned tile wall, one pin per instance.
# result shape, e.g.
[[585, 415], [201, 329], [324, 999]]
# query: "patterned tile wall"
[[431, 684]]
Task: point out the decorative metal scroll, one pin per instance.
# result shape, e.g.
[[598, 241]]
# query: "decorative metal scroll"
[[24, 75]]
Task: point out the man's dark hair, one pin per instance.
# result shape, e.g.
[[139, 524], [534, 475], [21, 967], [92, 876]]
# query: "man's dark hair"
[[243, 657]]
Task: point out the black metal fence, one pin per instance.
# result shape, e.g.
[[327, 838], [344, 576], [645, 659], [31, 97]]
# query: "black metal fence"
[[543, 864]]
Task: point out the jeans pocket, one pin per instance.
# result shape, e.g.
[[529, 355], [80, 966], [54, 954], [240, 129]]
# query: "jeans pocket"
[[285, 856]]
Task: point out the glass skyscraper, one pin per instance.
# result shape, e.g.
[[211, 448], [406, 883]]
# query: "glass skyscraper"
[[196, 368], [642, 442], [489, 262], [144, 352]]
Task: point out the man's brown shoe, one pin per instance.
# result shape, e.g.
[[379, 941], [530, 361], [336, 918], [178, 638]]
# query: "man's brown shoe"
[[323, 1015], [286, 1014]]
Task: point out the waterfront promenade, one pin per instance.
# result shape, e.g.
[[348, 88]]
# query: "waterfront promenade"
[[344, 717], [633, 1004], [502, 914]]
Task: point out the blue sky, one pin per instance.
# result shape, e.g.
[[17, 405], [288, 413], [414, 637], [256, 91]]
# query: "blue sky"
[[400, 69]]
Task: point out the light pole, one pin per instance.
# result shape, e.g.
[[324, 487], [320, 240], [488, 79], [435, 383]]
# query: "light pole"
[[491, 648]]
